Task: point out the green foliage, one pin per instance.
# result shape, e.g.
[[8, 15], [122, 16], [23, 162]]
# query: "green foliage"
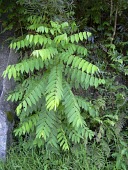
[[80, 157], [57, 64], [57, 10], [63, 100], [108, 49]]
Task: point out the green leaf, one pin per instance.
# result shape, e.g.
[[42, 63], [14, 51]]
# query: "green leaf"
[[72, 38], [94, 69], [81, 36], [77, 38], [92, 79], [29, 101], [89, 68], [96, 82]]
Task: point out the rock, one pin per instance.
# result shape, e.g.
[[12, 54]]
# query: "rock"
[[7, 57]]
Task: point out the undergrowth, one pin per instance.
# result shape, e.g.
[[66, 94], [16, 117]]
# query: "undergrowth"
[[20, 158], [93, 156]]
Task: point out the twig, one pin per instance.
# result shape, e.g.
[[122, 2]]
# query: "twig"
[[115, 24], [111, 11]]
